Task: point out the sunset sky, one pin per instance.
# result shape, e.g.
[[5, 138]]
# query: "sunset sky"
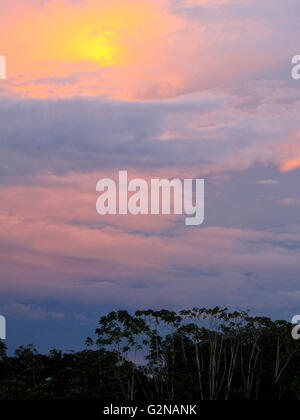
[[160, 88]]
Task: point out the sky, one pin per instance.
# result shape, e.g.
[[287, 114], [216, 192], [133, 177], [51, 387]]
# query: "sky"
[[160, 88]]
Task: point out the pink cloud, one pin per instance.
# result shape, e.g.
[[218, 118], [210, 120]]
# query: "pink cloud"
[[130, 50], [44, 252]]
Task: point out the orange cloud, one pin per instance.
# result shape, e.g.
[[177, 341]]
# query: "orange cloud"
[[64, 38], [209, 3], [291, 163], [125, 49]]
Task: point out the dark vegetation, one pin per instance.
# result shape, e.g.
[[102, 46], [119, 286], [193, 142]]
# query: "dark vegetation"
[[197, 354]]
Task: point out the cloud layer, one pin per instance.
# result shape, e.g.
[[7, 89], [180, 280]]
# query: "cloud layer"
[[166, 88]]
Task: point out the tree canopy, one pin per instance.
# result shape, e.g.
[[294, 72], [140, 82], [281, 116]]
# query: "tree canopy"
[[196, 354]]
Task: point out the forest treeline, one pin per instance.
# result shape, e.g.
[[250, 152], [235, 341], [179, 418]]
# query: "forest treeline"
[[192, 355]]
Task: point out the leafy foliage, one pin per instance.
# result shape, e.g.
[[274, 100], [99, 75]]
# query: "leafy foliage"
[[197, 354]]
